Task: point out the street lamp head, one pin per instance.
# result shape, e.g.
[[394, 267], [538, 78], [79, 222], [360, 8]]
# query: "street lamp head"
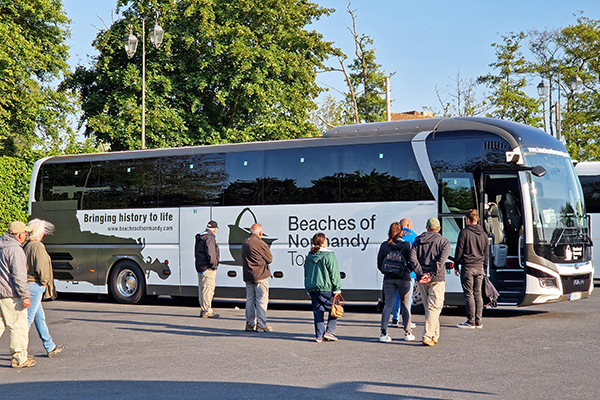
[[131, 45], [156, 35], [542, 89], [576, 83]]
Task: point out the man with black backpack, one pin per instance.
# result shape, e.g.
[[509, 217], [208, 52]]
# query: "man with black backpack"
[[207, 261], [392, 261]]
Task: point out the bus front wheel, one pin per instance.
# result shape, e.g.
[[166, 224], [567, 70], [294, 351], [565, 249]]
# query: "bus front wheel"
[[127, 283]]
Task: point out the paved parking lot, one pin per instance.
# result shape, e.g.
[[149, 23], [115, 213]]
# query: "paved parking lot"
[[164, 351]]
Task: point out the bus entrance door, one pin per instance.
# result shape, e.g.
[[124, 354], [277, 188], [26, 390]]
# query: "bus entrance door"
[[502, 220]]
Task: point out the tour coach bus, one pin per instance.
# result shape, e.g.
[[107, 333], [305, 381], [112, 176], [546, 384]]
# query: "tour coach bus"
[[126, 221], [589, 176]]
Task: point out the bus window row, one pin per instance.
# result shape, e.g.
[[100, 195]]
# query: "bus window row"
[[359, 173]]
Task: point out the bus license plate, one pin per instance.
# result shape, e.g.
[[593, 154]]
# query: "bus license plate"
[[575, 296]]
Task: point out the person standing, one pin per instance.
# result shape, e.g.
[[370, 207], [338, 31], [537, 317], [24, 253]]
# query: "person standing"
[[472, 253], [256, 257], [15, 297], [322, 281], [395, 285], [41, 282], [408, 235], [207, 261], [428, 257]]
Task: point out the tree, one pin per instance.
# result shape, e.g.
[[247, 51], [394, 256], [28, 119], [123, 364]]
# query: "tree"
[[33, 57], [581, 120], [226, 72], [365, 79], [508, 100], [461, 100], [330, 113]]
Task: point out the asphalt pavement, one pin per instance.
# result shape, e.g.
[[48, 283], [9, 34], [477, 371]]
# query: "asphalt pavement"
[[162, 350]]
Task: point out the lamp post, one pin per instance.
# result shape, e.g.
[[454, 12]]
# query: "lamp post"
[[543, 90], [156, 37]]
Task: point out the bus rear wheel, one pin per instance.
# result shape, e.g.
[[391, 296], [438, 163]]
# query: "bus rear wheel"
[[127, 283], [417, 306]]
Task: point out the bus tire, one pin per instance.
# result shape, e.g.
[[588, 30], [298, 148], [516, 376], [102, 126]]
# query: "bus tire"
[[417, 305], [127, 283]]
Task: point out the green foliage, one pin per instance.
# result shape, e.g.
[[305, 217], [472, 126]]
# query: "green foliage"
[[331, 113], [580, 44], [368, 80], [33, 56], [14, 189], [508, 100], [226, 72]]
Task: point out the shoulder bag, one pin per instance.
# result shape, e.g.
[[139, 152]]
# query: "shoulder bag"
[[337, 307]]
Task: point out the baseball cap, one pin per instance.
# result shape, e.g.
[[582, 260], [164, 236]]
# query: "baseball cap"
[[212, 224], [433, 223], [18, 227]]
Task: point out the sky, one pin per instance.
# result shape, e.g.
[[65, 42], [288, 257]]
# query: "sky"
[[426, 43]]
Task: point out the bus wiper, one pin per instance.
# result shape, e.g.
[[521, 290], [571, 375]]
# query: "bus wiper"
[[576, 232]]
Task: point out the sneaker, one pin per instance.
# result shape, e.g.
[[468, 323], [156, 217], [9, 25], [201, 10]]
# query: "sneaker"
[[30, 362], [264, 329], [435, 341], [394, 323], [412, 325], [409, 336], [427, 342], [479, 326], [250, 328], [211, 315], [56, 350], [466, 325], [330, 337], [319, 339], [384, 337]]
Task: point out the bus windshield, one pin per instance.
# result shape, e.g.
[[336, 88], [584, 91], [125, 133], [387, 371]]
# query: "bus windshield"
[[559, 218]]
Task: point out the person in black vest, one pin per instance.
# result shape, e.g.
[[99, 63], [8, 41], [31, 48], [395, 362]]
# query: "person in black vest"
[[472, 255], [207, 261], [393, 284]]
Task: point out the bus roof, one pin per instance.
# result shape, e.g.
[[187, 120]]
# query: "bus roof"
[[514, 133]]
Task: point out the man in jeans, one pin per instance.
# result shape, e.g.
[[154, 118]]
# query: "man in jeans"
[[256, 257], [472, 254], [15, 297], [207, 261], [428, 257]]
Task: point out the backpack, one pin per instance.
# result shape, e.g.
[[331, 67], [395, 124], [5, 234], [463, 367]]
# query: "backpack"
[[394, 264]]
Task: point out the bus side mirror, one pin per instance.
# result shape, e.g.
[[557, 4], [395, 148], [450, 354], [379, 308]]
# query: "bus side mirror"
[[538, 171]]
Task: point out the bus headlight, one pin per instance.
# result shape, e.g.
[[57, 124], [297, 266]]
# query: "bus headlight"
[[548, 282]]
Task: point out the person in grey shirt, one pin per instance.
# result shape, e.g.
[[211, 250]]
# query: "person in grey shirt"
[[15, 297]]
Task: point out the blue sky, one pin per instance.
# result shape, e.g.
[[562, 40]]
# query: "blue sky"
[[425, 42]]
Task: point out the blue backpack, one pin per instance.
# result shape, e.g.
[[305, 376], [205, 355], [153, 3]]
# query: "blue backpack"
[[394, 264]]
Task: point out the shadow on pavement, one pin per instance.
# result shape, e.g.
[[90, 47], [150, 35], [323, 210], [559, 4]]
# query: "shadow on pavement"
[[129, 390]]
